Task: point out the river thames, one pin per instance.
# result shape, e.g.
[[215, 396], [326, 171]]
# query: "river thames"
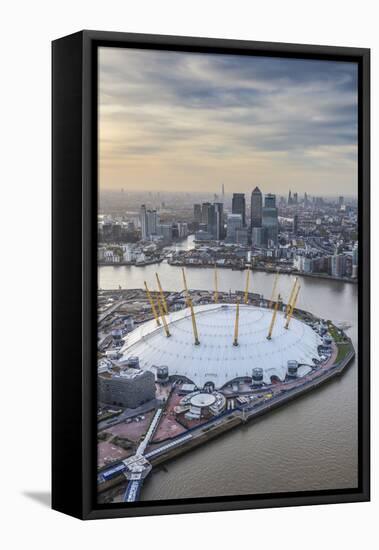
[[308, 444]]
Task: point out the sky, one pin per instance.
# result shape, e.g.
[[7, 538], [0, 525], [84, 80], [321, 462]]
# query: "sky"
[[174, 121]]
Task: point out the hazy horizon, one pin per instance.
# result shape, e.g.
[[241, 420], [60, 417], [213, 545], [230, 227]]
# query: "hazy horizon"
[[189, 122]]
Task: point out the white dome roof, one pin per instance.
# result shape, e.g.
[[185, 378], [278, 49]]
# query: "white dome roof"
[[216, 359]]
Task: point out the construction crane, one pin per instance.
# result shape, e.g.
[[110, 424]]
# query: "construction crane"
[[216, 286], [165, 325], [235, 342], [189, 304], [163, 299], [274, 290], [293, 305], [272, 324], [152, 304], [292, 295], [247, 286]]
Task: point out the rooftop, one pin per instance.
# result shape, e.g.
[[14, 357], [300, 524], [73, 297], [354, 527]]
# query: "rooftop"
[[202, 400], [216, 359]]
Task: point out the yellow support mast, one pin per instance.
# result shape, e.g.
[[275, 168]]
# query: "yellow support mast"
[[246, 300], [165, 325], [185, 282], [152, 304], [293, 305], [216, 286], [292, 295], [272, 324], [273, 290], [163, 299], [194, 326], [235, 342], [189, 304]]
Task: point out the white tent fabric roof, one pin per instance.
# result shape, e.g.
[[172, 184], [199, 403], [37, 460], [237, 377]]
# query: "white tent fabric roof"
[[216, 359]]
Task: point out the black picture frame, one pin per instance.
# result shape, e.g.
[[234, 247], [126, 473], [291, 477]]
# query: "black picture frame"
[[74, 272]]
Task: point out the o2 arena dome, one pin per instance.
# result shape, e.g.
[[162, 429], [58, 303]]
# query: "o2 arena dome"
[[216, 359]]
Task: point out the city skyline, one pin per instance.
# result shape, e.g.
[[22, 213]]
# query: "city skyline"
[[170, 119]]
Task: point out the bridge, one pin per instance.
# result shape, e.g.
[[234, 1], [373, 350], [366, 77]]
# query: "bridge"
[[133, 490], [137, 467]]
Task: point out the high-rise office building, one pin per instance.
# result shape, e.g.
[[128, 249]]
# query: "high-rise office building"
[[270, 219], [239, 206], [197, 213], [211, 223], [234, 222], [270, 201], [166, 231], [143, 222], [149, 222], [212, 217], [242, 236], [258, 236], [256, 208], [152, 222], [219, 221], [182, 230], [204, 212]]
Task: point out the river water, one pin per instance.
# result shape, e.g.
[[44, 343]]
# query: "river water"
[[308, 444]]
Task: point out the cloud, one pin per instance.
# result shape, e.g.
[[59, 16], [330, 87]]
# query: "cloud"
[[161, 112]]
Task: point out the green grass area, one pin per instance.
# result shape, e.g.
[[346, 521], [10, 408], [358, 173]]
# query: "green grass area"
[[343, 350], [103, 436], [335, 333]]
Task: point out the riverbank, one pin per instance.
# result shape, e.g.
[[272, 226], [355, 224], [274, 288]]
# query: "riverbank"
[[242, 415], [239, 416], [275, 270]]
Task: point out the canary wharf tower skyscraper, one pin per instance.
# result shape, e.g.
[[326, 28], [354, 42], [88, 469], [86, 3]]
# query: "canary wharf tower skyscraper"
[[256, 208]]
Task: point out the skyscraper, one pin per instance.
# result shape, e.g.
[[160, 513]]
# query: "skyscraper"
[[149, 222], [270, 219], [143, 222], [204, 212], [211, 218], [152, 222], [234, 222], [197, 213], [219, 221], [258, 236], [256, 208], [270, 201], [239, 206]]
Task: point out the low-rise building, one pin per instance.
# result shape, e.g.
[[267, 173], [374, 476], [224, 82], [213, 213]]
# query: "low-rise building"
[[128, 387]]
